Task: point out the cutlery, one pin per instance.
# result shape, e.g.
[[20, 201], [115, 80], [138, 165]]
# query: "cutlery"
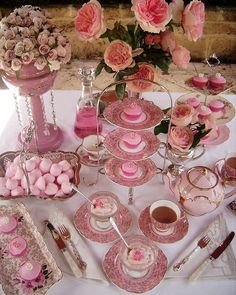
[[62, 246], [202, 243], [67, 236], [74, 187], [214, 255], [114, 225]]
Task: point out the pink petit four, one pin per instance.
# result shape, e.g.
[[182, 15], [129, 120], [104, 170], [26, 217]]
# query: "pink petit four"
[[63, 178], [55, 169], [132, 139], [45, 165], [193, 101], [203, 112], [217, 81], [133, 111], [30, 270], [17, 246], [216, 105], [200, 81], [7, 224], [129, 168]]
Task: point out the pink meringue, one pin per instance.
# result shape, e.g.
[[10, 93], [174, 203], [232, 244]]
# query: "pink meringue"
[[37, 160], [30, 270], [66, 188], [37, 172], [55, 169], [7, 224], [11, 170], [11, 183], [23, 183], [18, 191], [17, 246], [62, 178], [17, 160], [65, 165], [51, 189], [30, 165], [34, 190], [59, 193], [4, 191], [45, 165], [3, 181], [19, 174], [40, 183], [49, 178], [32, 177], [70, 173]]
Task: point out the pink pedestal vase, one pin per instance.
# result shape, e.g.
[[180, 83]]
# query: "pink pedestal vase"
[[33, 83]]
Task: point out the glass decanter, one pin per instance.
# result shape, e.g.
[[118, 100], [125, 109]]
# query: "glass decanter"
[[87, 121]]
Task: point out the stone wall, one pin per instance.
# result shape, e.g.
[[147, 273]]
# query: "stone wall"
[[219, 32]]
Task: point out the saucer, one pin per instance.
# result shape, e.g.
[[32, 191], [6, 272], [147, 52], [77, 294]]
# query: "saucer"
[[222, 174], [114, 271], [88, 161], [220, 136], [84, 223], [179, 231], [225, 116], [150, 144], [146, 171], [152, 114]]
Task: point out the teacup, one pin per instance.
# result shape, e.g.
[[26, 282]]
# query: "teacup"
[[164, 215], [229, 167], [93, 145]]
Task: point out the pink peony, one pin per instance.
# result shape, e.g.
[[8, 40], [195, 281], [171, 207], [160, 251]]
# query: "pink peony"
[[168, 42], [177, 8], [193, 20], [118, 55], [146, 72], [152, 15], [89, 22], [182, 114], [181, 57], [180, 138]]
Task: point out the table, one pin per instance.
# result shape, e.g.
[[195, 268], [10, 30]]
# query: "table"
[[144, 195]]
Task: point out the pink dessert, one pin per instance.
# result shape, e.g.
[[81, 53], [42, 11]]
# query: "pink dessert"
[[133, 111], [30, 270], [104, 207], [216, 105], [200, 81], [194, 102], [17, 246], [217, 81], [203, 112], [7, 224], [129, 168], [132, 139]]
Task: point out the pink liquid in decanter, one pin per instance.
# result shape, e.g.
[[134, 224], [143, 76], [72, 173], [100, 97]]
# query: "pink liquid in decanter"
[[86, 122]]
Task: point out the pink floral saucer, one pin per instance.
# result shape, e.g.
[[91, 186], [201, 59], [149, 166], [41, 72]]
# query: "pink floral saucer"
[[114, 271], [152, 114], [217, 137], [84, 223], [179, 231], [146, 170], [114, 144], [222, 174]]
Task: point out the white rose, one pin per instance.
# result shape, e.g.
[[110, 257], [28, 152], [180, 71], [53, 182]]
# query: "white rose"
[[19, 48], [54, 65], [61, 51], [42, 38], [2, 52], [10, 44], [51, 41], [16, 64], [9, 34], [35, 52], [2, 42], [27, 58], [44, 49], [40, 63], [37, 22], [11, 18], [52, 55], [25, 32], [28, 44], [23, 12]]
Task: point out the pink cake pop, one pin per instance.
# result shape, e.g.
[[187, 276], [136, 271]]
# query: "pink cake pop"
[[65, 165], [7, 224], [30, 270], [18, 191], [45, 165], [17, 246], [30, 165], [70, 173], [63, 178], [66, 188], [51, 189], [40, 183], [11, 183], [55, 169], [49, 178]]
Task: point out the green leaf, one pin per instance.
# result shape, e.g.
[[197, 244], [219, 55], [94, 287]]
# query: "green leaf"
[[99, 68], [198, 136], [162, 128], [120, 90], [108, 69]]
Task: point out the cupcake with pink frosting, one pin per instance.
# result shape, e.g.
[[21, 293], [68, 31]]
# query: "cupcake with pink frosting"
[[193, 101], [203, 112], [133, 111], [132, 139], [217, 81], [200, 81], [216, 105], [129, 168]]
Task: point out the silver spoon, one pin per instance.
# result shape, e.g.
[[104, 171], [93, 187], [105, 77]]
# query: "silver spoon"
[[74, 187], [113, 223]]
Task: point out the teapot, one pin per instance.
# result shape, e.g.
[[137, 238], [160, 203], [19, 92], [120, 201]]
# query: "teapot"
[[198, 190]]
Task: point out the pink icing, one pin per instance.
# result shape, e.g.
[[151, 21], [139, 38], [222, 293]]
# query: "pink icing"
[[17, 246], [133, 111], [193, 101], [30, 270], [216, 105], [7, 224], [137, 255], [132, 139], [203, 112], [129, 168]]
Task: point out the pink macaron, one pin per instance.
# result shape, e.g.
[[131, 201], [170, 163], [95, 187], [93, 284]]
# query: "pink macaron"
[[200, 81], [216, 105], [132, 139], [8, 224], [129, 168], [30, 270], [17, 246], [133, 111], [217, 81]]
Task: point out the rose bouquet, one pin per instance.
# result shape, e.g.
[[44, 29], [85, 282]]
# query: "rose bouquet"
[[27, 36], [138, 49]]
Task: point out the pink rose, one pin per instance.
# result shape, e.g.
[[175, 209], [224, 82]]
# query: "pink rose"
[[28, 44], [89, 22], [27, 58], [51, 41], [146, 72], [9, 34], [10, 44], [42, 39], [16, 64], [152, 15], [193, 20], [40, 63], [151, 39], [181, 57], [180, 138], [67, 57], [61, 40], [52, 55], [9, 55], [168, 42], [44, 49], [25, 32], [177, 8], [182, 114], [118, 55], [54, 65], [61, 51]]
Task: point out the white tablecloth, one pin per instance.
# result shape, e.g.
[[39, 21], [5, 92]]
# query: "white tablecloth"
[[144, 196]]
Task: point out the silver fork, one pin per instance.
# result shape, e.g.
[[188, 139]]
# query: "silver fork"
[[202, 243], [67, 236]]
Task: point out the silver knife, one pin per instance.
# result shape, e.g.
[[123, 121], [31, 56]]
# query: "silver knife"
[[62, 246], [214, 255]]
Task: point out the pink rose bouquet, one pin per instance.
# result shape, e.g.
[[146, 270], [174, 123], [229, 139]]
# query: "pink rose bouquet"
[[27, 36], [180, 138], [150, 40]]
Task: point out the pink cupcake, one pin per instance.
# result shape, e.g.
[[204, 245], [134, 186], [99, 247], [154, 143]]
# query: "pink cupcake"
[[30, 270], [193, 101], [129, 168], [203, 112], [7, 224], [17, 246], [133, 111], [217, 81], [200, 81], [216, 105], [132, 139]]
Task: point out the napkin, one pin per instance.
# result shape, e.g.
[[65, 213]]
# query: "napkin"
[[93, 270], [223, 267]]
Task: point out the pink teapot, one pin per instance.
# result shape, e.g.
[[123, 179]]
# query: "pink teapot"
[[198, 190]]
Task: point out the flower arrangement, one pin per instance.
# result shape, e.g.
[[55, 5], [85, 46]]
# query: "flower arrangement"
[[187, 128], [137, 50], [27, 36]]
